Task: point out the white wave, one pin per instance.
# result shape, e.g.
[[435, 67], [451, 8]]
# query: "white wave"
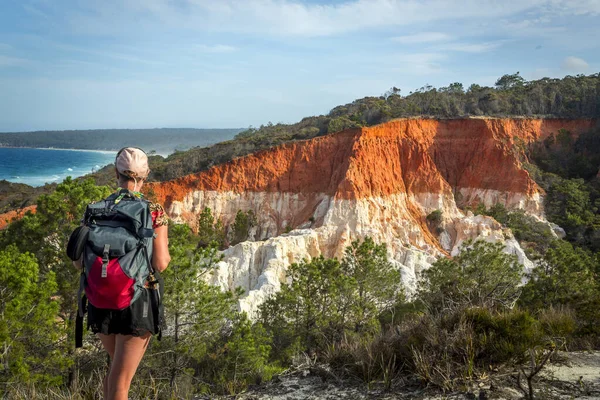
[[111, 152], [70, 169]]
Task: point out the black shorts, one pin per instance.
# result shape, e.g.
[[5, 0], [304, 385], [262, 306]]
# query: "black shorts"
[[137, 320]]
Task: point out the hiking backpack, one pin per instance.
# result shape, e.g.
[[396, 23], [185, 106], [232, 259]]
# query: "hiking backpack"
[[116, 240]]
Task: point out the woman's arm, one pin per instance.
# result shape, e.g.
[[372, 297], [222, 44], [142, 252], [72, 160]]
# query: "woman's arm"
[[160, 253]]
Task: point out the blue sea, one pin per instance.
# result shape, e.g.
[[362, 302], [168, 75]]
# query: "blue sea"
[[36, 167]]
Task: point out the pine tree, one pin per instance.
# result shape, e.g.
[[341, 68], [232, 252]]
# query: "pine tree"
[[45, 235], [243, 224], [482, 275], [376, 285], [196, 312], [28, 313]]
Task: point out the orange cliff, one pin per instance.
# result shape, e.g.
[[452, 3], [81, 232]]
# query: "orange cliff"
[[410, 156], [7, 218], [380, 182]]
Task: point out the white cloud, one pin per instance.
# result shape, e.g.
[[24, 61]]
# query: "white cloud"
[[106, 54], [296, 18], [216, 48], [574, 7], [418, 63], [423, 37], [574, 64], [470, 47], [34, 11], [6, 61]]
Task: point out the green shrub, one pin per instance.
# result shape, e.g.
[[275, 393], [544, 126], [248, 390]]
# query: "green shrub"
[[534, 235], [243, 224], [435, 217], [558, 322], [566, 277], [327, 299], [341, 123], [238, 360], [211, 232], [504, 336], [482, 275]]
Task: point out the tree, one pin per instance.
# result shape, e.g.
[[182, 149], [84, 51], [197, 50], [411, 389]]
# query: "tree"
[[340, 124], [482, 275], [375, 284], [306, 313], [566, 276], [210, 232], [196, 312], [243, 224], [28, 313], [568, 204], [510, 81], [456, 88], [45, 235], [325, 299]]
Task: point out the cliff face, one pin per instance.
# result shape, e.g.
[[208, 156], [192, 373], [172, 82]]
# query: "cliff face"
[[380, 181], [10, 216]]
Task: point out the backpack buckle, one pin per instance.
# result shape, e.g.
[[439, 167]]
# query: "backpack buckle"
[[105, 260]]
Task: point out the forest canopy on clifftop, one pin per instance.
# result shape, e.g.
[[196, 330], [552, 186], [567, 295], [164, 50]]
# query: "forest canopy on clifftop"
[[512, 96]]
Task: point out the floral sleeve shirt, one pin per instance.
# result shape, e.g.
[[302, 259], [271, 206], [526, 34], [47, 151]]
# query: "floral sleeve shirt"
[[159, 216]]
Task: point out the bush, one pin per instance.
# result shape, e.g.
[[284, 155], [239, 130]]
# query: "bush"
[[239, 359], [211, 232], [435, 217], [341, 123], [482, 275], [534, 235], [307, 313], [243, 224], [566, 277], [326, 299], [504, 336], [28, 314]]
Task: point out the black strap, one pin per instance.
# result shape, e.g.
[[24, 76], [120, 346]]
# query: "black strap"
[[152, 292], [143, 247], [79, 322]]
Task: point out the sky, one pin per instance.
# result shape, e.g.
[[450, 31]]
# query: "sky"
[[86, 64]]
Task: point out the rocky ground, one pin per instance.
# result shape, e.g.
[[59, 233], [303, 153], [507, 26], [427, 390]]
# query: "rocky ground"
[[576, 376]]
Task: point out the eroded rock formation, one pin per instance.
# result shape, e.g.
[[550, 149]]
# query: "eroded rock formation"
[[380, 181]]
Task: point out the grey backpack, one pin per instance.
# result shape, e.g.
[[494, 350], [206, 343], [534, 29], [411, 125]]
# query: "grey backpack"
[[117, 254]]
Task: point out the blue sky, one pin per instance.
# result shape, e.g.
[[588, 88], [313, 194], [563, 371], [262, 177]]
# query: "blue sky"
[[82, 64]]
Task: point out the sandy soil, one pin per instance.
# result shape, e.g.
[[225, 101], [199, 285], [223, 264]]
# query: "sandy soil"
[[576, 376]]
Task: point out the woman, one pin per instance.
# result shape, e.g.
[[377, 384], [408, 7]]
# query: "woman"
[[125, 342]]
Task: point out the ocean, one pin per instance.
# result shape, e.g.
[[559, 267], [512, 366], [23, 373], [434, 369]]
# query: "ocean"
[[36, 167]]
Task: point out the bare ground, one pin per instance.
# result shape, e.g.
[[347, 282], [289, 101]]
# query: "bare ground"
[[575, 376]]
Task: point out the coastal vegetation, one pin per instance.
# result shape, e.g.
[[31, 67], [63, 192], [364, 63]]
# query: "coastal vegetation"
[[349, 316], [472, 319]]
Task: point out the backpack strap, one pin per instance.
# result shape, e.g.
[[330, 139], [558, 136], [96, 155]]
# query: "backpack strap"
[[81, 310], [154, 294]]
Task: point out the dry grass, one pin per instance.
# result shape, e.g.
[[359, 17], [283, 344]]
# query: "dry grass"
[[90, 388]]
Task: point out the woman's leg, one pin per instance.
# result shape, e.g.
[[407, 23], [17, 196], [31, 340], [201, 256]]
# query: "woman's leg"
[[108, 342], [128, 353]]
